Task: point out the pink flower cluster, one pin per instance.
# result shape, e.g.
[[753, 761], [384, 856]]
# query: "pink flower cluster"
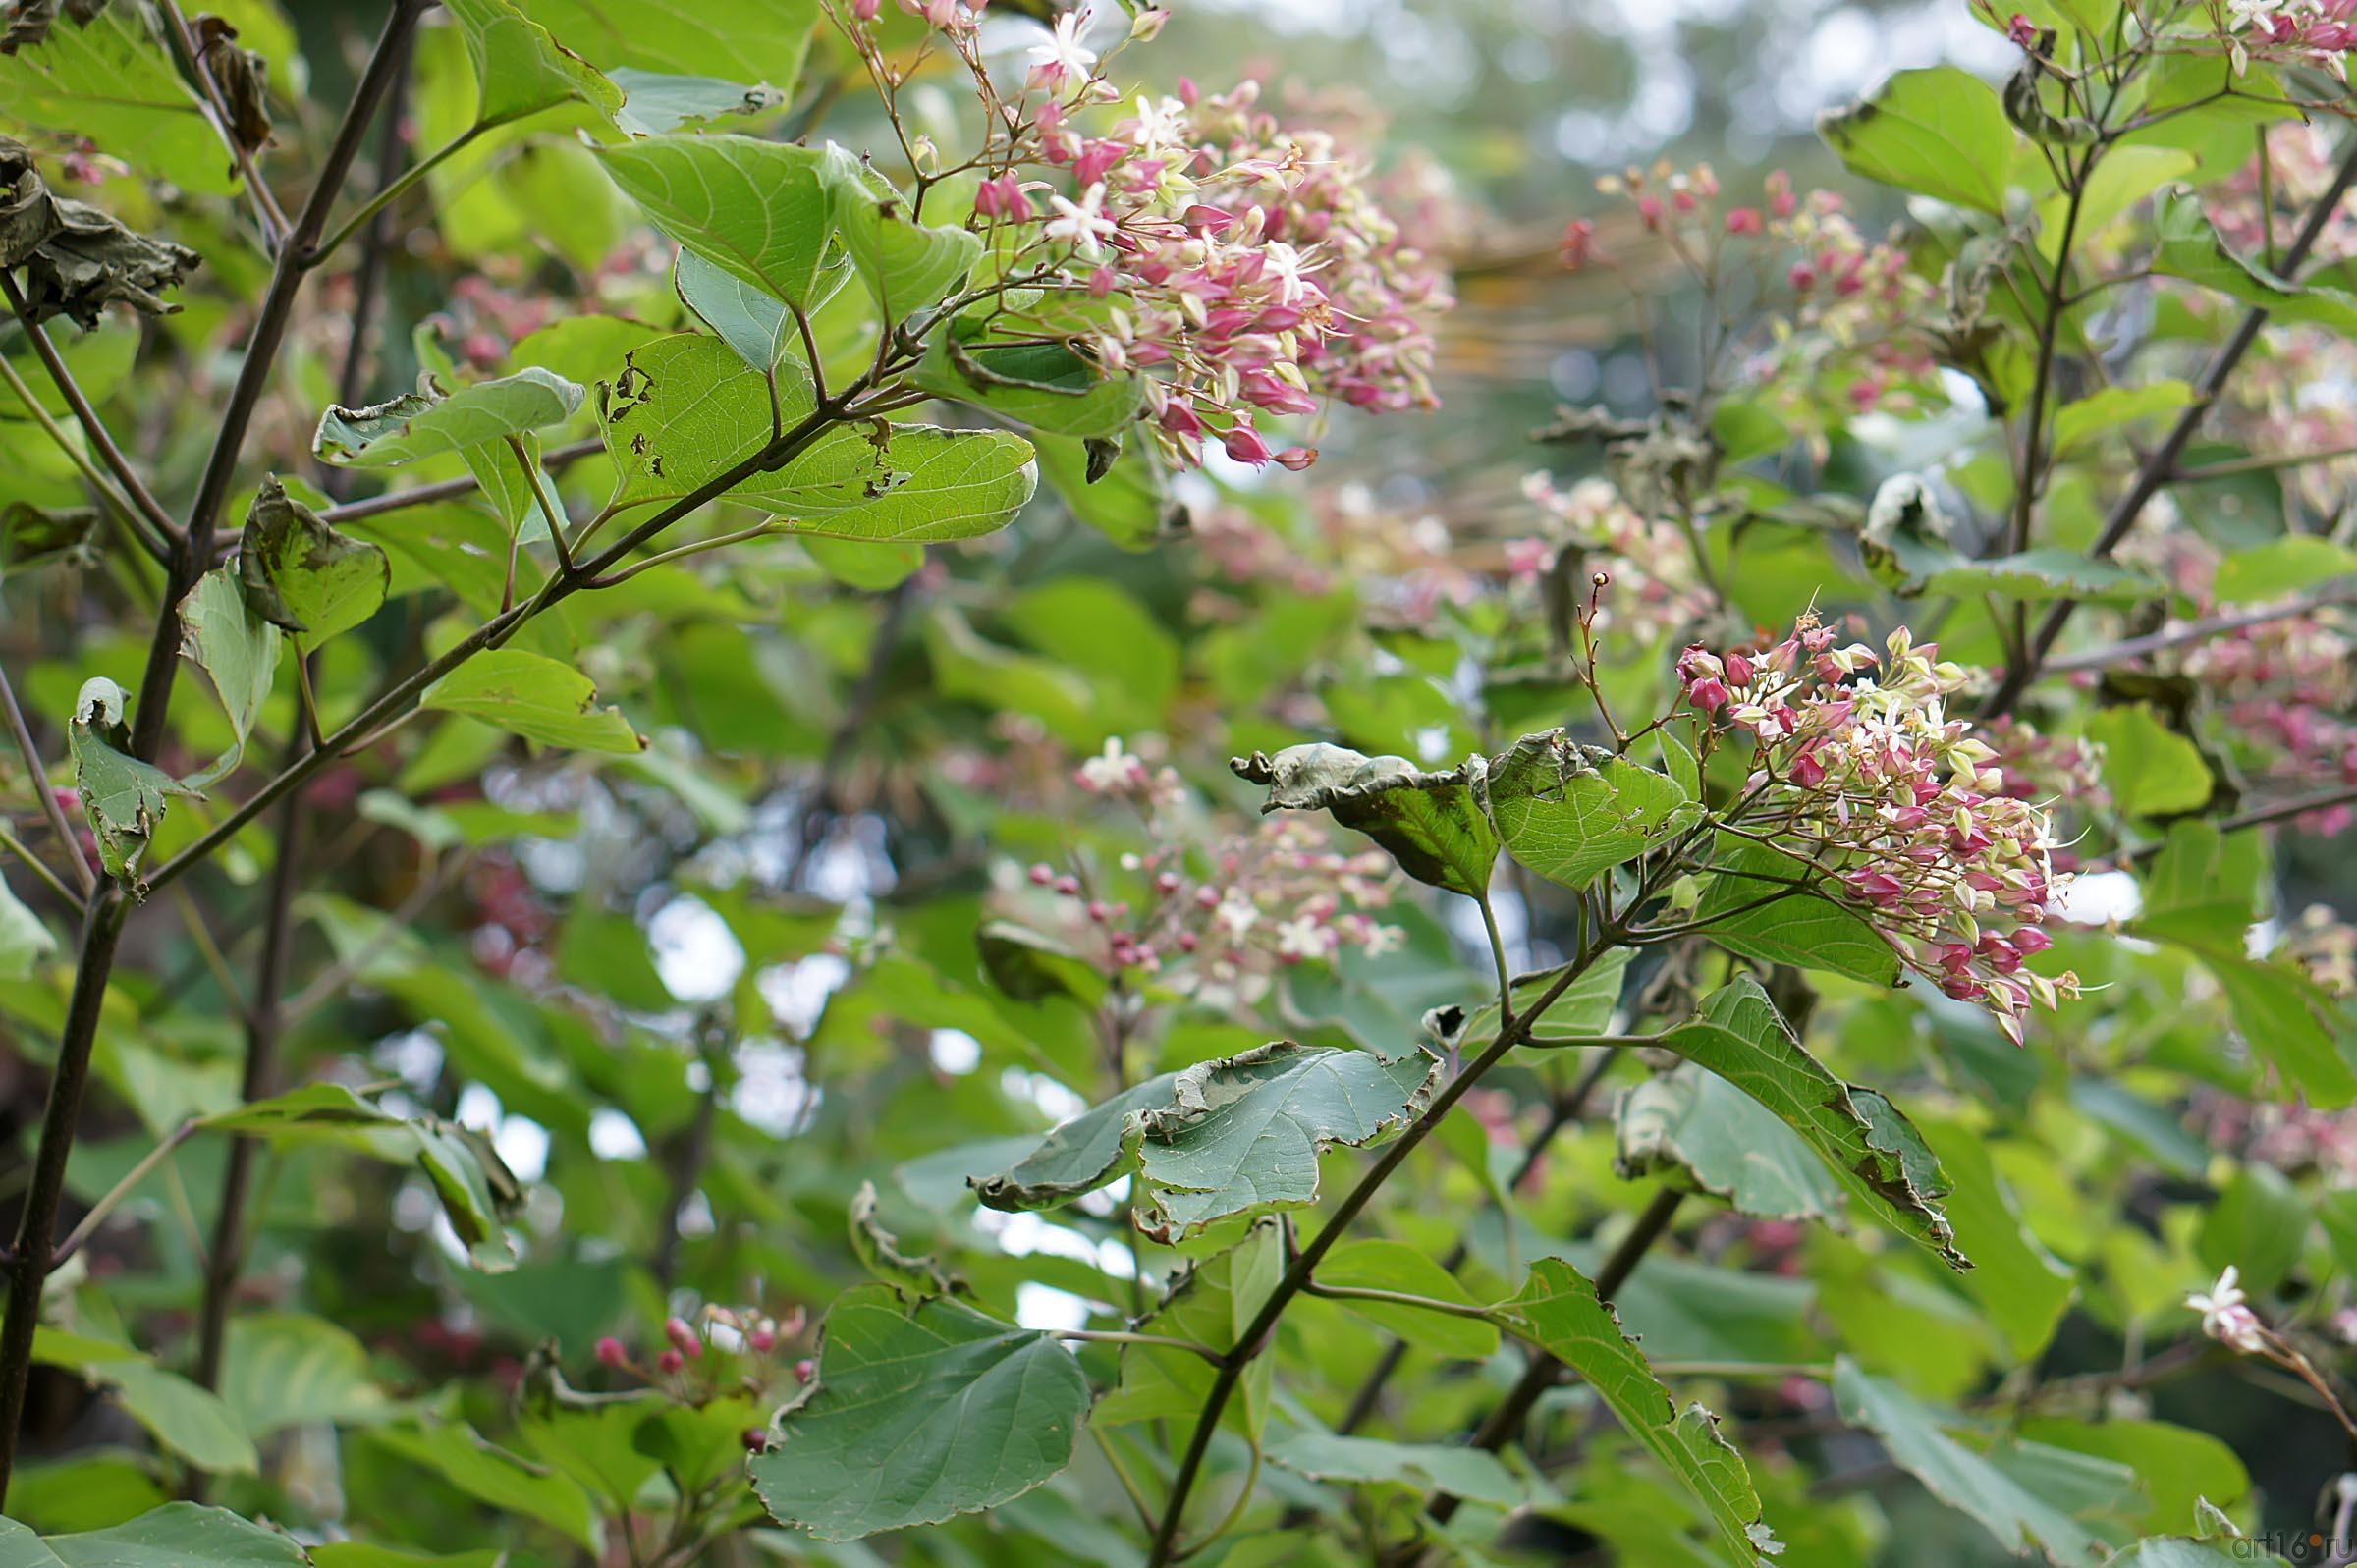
[[1249, 265], [1856, 764], [742, 1343], [1216, 917], [2306, 33], [1657, 592]]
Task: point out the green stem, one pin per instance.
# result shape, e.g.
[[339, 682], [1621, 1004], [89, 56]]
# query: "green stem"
[[392, 192], [1398, 1298], [40, 868], [121, 1190]]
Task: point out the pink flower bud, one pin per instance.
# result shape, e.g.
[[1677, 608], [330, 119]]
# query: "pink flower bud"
[[756, 1440], [806, 1370], [611, 1352], [1297, 458], [682, 1338], [763, 1339], [1042, 875], [1244, 445], [1745, 221], [671, 1361]]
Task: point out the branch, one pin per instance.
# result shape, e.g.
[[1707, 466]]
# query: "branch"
[[121, 1190], [1298, 1277], [1545, 1370], [448, 489], [51, 810], [296, 258], [133, 489], [1566, 1110], [267, 215], [2163, 460], [2133, 648]]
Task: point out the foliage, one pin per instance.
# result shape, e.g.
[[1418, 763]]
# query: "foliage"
[[823, 899]]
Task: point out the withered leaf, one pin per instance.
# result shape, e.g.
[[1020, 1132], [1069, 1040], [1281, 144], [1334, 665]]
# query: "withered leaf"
[[243, 77], [76, 258]]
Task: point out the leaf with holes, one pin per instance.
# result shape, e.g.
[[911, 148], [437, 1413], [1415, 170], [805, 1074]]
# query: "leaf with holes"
[[1872, 1149], [686, 411], [900, 484], [1699, 1132], [124, 797]]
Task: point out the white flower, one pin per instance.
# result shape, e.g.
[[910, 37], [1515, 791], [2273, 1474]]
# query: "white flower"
[[2224, 1315], [1161, 124], [1111, 770], [1289, 269], [1061, 57], [1237, 916], [1082, 223], [1302, 937]]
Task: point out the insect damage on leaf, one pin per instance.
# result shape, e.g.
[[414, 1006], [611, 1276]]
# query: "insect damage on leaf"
[[78, 260], [29, 22], [122, 796]]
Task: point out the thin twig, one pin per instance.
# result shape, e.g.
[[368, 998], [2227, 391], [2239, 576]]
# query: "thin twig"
[[2133, 648], [128, 487], [52, 810], [121, 1190], [2163, 459]]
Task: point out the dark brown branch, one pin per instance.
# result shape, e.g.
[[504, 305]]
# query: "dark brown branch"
[[2164, 459], [135, 489], [1545, 1370]]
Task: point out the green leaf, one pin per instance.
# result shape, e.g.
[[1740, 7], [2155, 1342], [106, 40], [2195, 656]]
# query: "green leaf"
[[23, 941], [1583, 1010], [238, 649], [756, 210], [507, 1482], [304, 576], [2282, 567], [532, 695], [2021, 1521], [1559, 1311], [1210, 1303], [1377, 1264], [112, 80], [1940, 131], [477, 1189], [687, 409], [282, 1370], [1243, 1133], [2151, 769], [1043, 386], [2037, 576], [1699, 1132], [919, 1416], [901, 484], [1569, 812], [905, 264], [2178, 1466], [191, 1421], [1431, 823], [2022, 1288], [1801, 927], [2123, 176], [2259, 1225], [1872, 1149], [1425, 1467], [179, 1534], [750, 320], [429, 424], [522, 68], [2077, 425], [1127, 503], [1080, 1154], [655, 103], [753, 40], [2188, 246], [123, 797]]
